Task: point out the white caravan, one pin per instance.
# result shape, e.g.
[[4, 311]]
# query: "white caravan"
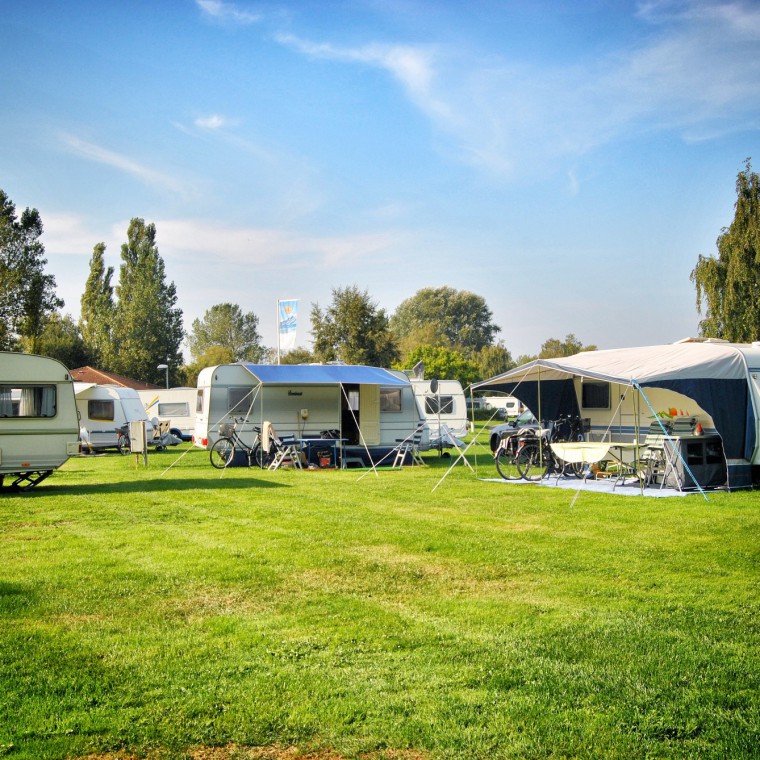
[[103, 409], [369, 409], [175, 405], [38, 418], [444, 406], [512, 406]]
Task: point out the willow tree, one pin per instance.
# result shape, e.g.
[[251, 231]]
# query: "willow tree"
[[728, 287]]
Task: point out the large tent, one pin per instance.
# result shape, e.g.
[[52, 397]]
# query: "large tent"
[[719, 377]]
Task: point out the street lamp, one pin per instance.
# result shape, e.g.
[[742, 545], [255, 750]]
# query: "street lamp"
[[165, 367]]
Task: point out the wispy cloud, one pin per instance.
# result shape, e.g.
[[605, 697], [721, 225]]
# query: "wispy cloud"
[[214, 121], [228, 12], [694, 70], [269, 248], [412, 66], [100, 155]]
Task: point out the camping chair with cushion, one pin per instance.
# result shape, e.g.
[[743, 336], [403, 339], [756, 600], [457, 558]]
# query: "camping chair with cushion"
[[286, 449]]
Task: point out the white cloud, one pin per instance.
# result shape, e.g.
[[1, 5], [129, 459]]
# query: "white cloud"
[[107, 157], [214, 121], [68, 234], [227, 12], [271, 248]]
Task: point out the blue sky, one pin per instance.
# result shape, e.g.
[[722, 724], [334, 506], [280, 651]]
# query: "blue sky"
[[568, 161]]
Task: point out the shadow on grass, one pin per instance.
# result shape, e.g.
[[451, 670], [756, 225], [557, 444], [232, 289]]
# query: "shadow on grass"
[[149, 486]]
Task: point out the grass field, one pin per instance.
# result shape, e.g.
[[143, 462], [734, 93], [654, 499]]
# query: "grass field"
[[162, 615]]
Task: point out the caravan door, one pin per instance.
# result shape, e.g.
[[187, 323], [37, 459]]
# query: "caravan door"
[[369, 413]]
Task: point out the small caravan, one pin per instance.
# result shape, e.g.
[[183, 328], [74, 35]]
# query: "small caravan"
[[444, 406], [175, 405], [103, 409], [367, 408], [38, 418], [511, 407]]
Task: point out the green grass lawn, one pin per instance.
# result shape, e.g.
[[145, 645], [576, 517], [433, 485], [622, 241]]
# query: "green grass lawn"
[[156, 612]]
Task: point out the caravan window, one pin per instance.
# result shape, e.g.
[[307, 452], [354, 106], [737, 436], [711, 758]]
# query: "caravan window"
[[199, 402], [439, 405], [240, 400], [595, 395], [174, 409], [100, 409], [27, 401], [390, 399]]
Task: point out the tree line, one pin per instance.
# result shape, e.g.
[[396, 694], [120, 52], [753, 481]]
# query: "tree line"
[[131, 326]]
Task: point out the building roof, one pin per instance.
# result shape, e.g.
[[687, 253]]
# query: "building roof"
[[101, 377]]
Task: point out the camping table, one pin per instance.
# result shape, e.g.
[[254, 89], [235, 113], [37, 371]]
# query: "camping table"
[[592, 452]]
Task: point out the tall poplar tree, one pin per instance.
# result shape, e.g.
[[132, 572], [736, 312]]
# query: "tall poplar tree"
[[728, 287], [147, 328], [97, 310], [27, 294]]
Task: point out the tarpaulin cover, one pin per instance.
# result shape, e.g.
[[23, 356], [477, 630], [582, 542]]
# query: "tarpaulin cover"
[[323, 374]]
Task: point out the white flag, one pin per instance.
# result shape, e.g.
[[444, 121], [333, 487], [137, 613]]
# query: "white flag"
[[288, 311]]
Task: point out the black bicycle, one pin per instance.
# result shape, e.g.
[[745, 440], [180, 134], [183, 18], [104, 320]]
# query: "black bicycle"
[[508, 450], [536, 458], [123, 443], [223, 451]]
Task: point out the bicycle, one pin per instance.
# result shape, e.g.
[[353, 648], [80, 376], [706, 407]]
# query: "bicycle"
[[507, 452], [123, 443], [536, 458], [223, 451]]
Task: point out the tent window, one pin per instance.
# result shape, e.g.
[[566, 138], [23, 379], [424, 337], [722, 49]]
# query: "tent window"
[[100, 409], [595, 395], [439, 405], [390, 400], [27, 401], [239, 400]]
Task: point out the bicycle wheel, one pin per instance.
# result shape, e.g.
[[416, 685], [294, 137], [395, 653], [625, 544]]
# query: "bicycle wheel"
[[222, 452], [506, 463], [123, 445], [259, 456], [531, 464]]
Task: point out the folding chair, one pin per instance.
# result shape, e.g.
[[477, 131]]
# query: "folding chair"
[[410, 446], [286, 448]]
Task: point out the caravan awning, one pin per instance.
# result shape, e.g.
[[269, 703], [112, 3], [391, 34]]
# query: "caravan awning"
[[323, 374], [713, 374], [651, 365]]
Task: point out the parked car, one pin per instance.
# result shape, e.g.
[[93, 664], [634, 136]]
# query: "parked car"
[[525, 420]]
